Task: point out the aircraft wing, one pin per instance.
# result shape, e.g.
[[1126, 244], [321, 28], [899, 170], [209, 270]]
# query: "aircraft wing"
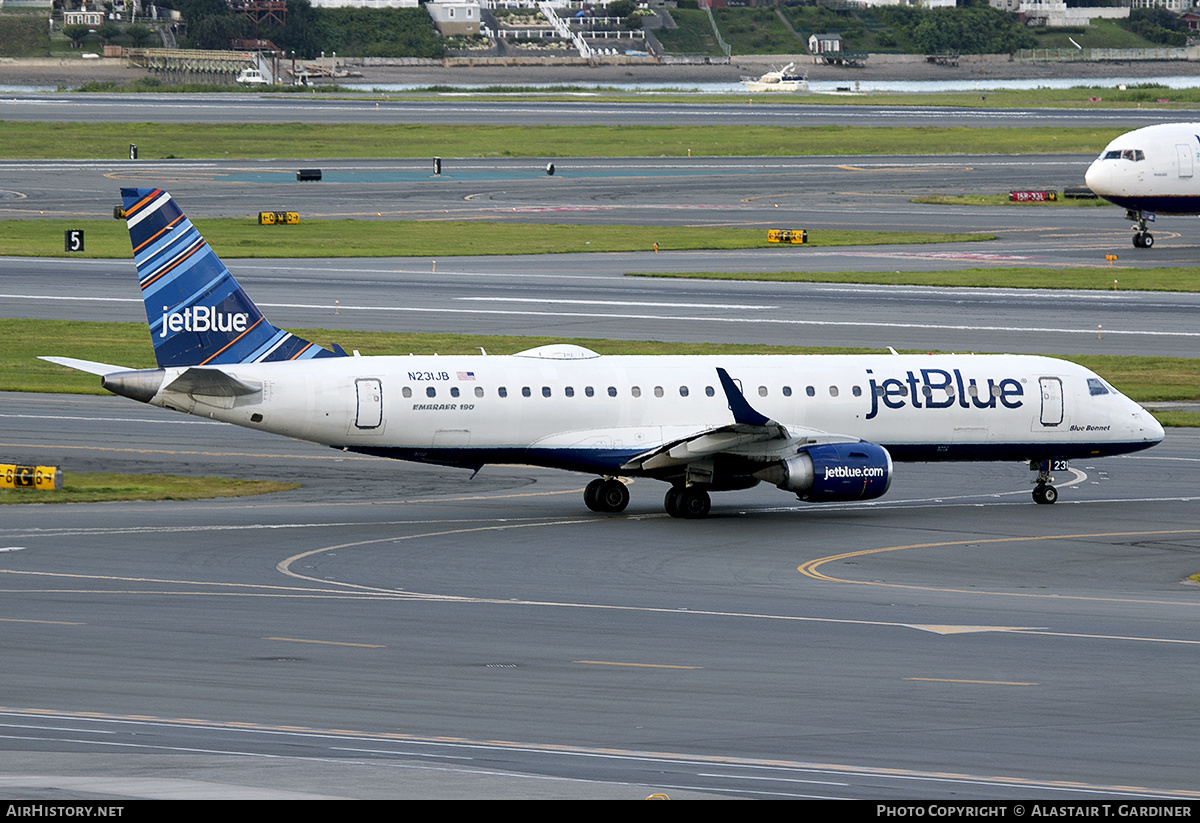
[[752, 435]]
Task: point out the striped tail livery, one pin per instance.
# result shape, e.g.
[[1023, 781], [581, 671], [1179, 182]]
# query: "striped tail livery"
[[198, 314]]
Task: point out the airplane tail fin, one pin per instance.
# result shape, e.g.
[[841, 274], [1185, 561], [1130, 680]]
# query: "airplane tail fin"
[[197, 312]]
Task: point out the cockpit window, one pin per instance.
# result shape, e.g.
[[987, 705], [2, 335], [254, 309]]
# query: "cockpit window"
[[1095, 387], [1136, 155]]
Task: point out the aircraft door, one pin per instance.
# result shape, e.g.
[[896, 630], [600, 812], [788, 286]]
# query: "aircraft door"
[[369, 414], [1052, 401], [1184, 153]]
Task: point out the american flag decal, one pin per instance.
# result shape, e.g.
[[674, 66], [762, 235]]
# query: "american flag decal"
[[466, 375]]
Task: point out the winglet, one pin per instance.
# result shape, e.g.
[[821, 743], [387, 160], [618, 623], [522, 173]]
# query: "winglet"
[[742, 410]]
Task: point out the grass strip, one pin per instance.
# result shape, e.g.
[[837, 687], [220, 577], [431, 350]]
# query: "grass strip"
[[1167, 278], [234, 238], [127, 344], [228, 141], [79, 487]]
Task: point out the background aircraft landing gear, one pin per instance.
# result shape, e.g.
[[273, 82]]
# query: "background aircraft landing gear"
[[1142, 239], [607, 495], [688, 502]]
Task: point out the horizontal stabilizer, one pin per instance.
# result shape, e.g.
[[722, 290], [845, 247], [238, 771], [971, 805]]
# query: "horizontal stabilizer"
[[211, 383], [88, 366]]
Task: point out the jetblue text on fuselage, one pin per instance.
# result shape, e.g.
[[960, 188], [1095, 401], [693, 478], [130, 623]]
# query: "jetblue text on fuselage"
[[946, 388], [201, 319]]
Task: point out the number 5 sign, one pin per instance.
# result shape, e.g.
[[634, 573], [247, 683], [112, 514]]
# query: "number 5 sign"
[[73, 240]]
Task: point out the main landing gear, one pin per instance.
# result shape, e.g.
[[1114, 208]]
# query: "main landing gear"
[[688, 502], [610, 496], [1043, 492], [1142, 239], [606, 494]]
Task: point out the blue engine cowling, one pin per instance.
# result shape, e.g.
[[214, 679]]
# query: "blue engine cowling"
[[833, 472]]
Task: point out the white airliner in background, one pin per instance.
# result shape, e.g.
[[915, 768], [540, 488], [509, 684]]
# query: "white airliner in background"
[[1150, 171], [826, 428]]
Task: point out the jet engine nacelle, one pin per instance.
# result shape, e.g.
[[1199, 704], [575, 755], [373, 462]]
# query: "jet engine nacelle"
[[834, 471]]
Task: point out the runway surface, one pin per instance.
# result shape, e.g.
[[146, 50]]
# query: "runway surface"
[[397, 631], [393, 630]]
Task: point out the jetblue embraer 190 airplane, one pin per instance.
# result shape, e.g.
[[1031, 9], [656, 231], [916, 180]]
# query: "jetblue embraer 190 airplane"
[[826, 428], [1150, 171]]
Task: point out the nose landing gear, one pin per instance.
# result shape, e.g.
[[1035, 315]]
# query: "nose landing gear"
[[1142, 239], [1043, 492]]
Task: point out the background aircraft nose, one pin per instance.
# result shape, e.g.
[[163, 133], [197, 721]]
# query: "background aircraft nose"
[[1098, 178]]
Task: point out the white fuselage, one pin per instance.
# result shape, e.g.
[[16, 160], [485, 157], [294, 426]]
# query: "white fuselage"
[[568, 408], [1154, 170]]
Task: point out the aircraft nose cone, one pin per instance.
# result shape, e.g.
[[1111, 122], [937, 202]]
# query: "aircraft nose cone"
[[1099, 178], [1154, 430]]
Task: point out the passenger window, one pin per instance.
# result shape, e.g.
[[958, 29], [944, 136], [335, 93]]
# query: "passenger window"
[[545, 391], [479, 391], [612, 391], [589, 391], [569, 392], [762, 391], [406, 391], [431, 392], [503, 392], [658, 392], [708, 391], [683, 391], [454, 391], [787, 391], [525, 392], [637, 392], [810, 391], [856, 391], [833, 391]]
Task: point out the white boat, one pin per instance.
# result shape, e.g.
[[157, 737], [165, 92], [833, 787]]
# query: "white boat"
[[782, 80], [251, 77]]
